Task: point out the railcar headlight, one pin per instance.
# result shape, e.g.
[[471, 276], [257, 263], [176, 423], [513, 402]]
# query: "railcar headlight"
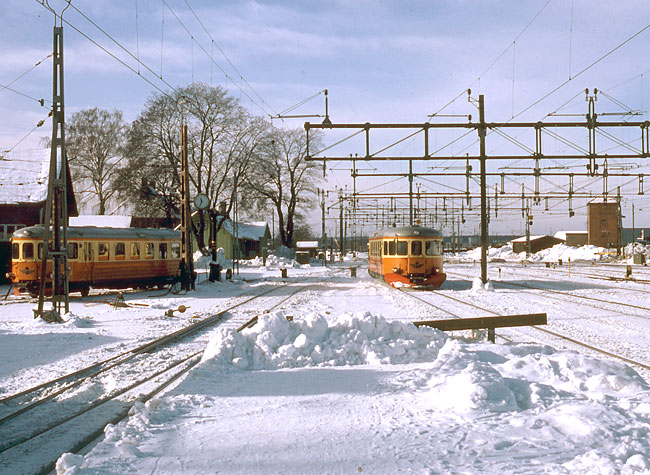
[[397, 270]]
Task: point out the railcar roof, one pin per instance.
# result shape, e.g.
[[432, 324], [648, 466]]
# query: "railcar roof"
[[93, 232], [407, 231]]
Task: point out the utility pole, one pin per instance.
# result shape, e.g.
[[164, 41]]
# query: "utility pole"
[[55, 249], [410, 192], [341, 224], [484, 217], [323, 235], [187, 260]]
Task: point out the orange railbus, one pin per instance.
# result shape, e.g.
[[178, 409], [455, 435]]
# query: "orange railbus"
[[407, 256], [99, 257]]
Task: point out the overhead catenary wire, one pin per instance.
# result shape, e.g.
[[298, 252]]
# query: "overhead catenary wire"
[[38, 63], [38, 124], [223, 53], [215, 63]]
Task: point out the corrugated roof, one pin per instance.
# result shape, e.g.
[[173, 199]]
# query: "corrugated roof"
[[253, 232], [24, 175]]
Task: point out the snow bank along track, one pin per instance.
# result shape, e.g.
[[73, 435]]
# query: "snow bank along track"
[[69, 412], [538, 328]]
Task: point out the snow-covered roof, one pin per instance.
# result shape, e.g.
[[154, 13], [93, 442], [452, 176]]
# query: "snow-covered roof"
[[24, 175], [252, 231], [563, 234], [523, 238], [102, 221]]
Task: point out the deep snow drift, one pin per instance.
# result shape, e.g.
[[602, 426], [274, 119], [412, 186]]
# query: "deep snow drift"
[[362, 394]]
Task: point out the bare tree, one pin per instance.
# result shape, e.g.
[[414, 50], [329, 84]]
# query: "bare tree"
[[221, 141], [284, 178], [94, 146]]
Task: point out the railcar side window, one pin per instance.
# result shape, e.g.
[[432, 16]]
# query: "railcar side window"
[[73, 250], [40, 249], [148, 250], [434, 248], [162, 250], [15, 250], [120, 250], [135, 250], [176, 250], [102, 251], [416, 248], [402, 248], [391, 248]]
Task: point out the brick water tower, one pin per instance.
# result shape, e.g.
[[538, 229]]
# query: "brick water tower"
[[603, 224]]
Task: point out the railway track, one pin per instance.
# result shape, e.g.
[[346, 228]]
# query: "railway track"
[[554, 275], [568, 297], [555, 334], [411, 293], [69, 412]]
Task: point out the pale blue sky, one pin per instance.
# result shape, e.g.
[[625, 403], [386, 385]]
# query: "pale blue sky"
[[382, 61]]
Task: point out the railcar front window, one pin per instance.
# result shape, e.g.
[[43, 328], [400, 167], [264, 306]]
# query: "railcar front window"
[[391, 248], [28, 250], [385, 248], [434, 248], [15, 250], [402, 248], [73, 250], [416, 248]]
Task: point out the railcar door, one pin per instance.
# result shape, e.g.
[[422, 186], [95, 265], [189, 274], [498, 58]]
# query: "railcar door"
[[86, 263]]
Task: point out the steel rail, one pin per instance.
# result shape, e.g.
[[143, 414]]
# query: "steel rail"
[[411, 294], [557, 335], [593, 276], [125, 356], [125, 412]]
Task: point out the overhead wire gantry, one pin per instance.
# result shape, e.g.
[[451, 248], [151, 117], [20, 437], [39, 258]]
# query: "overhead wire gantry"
[[591, 154]]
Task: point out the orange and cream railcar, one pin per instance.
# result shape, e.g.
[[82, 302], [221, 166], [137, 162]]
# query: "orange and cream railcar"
[[409, 256], [100, 257]]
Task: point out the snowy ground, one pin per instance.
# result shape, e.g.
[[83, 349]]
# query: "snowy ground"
[[350, 386]]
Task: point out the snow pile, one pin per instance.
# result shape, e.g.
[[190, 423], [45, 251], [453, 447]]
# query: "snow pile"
[[553, 254], [566, 253], [472, 408], [281, 258], [362, 338], [637, 248], [478, 285], [283, 252], [69, 463], [503, 252], [72, 320], [203, 261]]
